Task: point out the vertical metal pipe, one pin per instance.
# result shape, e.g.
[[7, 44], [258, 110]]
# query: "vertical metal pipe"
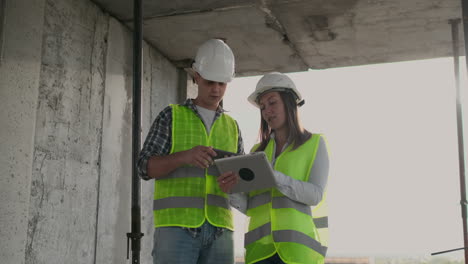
[[135, 235], [461, 153], [2, 26]]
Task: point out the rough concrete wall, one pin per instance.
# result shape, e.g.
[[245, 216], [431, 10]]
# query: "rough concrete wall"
[[116, 169], [192, 88], [147, 196], [65, 138], [65, 177], [160, 87], [164, 89], [19, 81]]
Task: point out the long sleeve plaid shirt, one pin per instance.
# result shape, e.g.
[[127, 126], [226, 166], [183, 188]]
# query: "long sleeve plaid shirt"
[[159, 139]]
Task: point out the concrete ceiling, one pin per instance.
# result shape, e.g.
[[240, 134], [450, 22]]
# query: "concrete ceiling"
[[295, 35]]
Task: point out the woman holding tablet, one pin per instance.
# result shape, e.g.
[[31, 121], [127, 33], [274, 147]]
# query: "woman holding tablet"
[[283, 228]]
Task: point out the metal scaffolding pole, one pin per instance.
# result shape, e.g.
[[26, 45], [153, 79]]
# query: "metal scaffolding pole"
[[136, 235], [461, 152], [454, 23]]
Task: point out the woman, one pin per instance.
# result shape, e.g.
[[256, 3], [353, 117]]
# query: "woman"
[[281, 228]]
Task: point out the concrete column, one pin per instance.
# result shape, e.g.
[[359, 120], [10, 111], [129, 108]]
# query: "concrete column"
[[65, 138], [116, 155], [164, 88], [147, 195], [192, 88], [67, 142], [19, 82]]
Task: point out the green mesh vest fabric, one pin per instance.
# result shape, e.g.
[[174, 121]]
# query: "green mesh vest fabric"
[[189, 195], [281, 225]]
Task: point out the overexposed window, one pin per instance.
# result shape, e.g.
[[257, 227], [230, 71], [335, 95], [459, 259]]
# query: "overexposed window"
[[394, 183]]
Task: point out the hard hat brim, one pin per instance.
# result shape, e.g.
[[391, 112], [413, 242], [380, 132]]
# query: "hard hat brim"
[[266, 89]]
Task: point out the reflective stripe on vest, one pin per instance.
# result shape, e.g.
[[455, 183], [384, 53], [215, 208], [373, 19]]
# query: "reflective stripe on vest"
[[277, 202], [281, 222], [285, 202], [190, 202], [298, 237], [188, 196], [284, 236]]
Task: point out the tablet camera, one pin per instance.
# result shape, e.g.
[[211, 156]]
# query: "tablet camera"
[[246, 174]]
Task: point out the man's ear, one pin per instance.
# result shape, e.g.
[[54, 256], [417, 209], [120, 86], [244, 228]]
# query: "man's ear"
[[196, 78]]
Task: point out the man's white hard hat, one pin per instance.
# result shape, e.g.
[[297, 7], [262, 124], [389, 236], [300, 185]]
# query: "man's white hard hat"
[[275, 81], [215, 61]]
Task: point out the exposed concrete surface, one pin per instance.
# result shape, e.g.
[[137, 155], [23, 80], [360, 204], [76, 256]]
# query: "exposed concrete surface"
[[294, 35], [194, 29], [64, 191], [152, 9], [147, 188], [159, 88], [66, 82], [165, 89], [192, 88], [19, 82], [116, 169], [371, 32]]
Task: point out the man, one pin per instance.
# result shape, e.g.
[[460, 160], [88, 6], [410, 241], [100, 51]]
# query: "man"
[[192, 218]]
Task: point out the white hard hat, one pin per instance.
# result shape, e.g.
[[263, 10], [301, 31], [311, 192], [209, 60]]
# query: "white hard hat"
[[215, 61], [275, 81]]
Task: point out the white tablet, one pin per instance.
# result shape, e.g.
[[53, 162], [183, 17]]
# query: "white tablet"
[[254, 169]]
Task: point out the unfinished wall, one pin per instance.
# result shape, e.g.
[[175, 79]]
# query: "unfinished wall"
[[65, 151], [66, 166], [19, 82], [163, 76], [147, 187]]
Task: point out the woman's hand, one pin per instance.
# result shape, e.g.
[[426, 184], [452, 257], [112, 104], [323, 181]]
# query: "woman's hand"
[[227, 181]]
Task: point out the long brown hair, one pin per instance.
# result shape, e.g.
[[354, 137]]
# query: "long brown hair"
[[297, 135]]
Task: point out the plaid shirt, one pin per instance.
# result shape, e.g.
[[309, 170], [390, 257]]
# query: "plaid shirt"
[[159, 139]]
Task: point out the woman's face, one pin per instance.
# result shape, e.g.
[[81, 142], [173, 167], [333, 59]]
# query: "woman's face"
[[272, 109]]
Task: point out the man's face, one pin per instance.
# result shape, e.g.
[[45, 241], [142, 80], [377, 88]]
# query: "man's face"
[[210, 93]]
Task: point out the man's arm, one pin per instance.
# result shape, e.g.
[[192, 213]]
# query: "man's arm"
[[158, 142], [199, 156]]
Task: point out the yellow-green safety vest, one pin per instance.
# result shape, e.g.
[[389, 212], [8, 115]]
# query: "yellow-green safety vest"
[[189, 195], [279, 225]]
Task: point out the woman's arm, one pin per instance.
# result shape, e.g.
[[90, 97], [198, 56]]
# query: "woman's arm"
[[310, 192]]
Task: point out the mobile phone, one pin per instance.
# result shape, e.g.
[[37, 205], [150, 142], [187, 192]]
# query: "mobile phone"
[[223, 154]]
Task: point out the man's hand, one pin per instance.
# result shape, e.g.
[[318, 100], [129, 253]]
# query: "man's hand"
[[227, 181], [199, 156]]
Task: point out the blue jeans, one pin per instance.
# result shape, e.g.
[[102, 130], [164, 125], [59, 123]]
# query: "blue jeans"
[[204, 245]]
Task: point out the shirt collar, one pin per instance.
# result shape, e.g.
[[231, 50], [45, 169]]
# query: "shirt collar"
[[189, 103], [272, 136]]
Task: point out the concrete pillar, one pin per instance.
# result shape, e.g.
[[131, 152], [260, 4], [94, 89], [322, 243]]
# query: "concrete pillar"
[[192, 88], [65, 138], [19, 82], [115, 172], [67, 149]]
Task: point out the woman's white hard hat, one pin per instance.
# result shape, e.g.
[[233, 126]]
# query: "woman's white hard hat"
[[275, 81], [215, 61]]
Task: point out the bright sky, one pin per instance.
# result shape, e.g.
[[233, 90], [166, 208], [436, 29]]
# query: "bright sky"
[[391, 128]]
